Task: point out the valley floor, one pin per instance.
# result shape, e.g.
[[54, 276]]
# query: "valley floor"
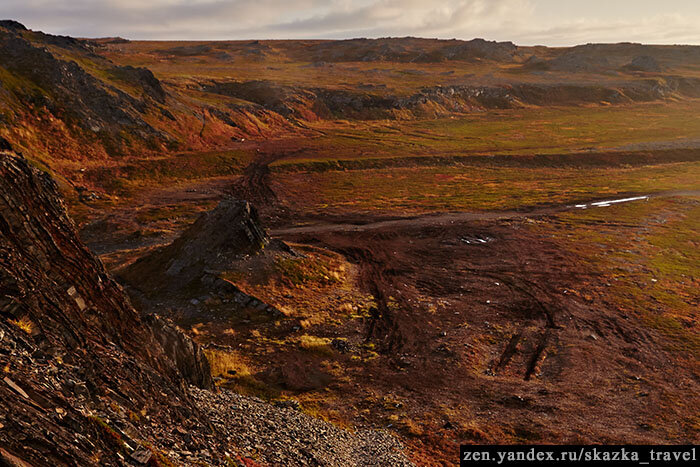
[[562, 316], [467, 242]]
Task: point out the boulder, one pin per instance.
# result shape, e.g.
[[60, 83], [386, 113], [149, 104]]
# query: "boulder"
[[187, 354]]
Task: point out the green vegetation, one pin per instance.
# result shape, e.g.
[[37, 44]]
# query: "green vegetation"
[[111, 436], [549, 130], [236, 375], [648, 253], [476, 188], [300, 271], [151, 172], [315, 344]]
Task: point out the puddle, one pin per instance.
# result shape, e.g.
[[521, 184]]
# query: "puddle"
[[476, 240], [604, 204]]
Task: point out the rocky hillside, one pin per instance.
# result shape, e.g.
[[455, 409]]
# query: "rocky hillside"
[[87, 379], [94, 108], [44, 87], [85, 376], [409, 49], [315, 103], [230, 231], [110, 100]]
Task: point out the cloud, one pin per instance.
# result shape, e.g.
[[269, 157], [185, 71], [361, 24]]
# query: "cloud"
[[658, 29], [522, 21], [414, 17]]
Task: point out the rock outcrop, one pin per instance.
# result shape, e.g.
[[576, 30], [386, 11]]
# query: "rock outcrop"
[[473, 50], [143, 78], [188, 272], [77, 358], [179, 348], [317, 103], [12, 24], [43, 82], [411, 50], [228, 232], [88, 380], [645, 63]]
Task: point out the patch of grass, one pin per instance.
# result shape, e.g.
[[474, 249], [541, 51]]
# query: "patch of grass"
[[409, 427], [648, 253], [158, 458], [549, 130], [300, 271], [111, 436], [24, 324], [317, 345], [135, 174], [221, 362], [237, 375], [470, 188], [185, 213]]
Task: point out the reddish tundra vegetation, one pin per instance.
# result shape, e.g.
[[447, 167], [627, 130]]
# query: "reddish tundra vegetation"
[[384, 248]]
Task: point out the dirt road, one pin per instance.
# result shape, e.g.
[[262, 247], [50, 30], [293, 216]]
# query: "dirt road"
[[452, 217]]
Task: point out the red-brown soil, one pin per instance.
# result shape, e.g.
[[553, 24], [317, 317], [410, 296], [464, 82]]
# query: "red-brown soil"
[[474, 332], [441, 282]]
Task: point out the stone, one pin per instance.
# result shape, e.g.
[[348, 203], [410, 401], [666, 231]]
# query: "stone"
[[288, 404], [81, 390], [229, 231], [9, 460], [341, 345], [16, 388], [142, 456], [187, 355]]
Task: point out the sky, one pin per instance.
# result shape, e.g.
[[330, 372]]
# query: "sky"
[[525, 22]]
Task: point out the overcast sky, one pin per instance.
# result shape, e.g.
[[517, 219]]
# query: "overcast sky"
[[526, 22]]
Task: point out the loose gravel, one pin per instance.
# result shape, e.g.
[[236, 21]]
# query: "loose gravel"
[[284, 436]]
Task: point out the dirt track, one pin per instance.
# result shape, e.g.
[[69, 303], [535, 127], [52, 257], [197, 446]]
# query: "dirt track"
[[478, 323], [452, 217], [479, 312]]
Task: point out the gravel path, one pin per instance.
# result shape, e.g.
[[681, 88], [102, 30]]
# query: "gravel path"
[[282, 436]]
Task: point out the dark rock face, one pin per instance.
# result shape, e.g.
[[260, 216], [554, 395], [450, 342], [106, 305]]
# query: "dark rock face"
[[280, 99], [70, 342], [230, 231], [188, 270], [69, 92], [144, 78], [292, 102], [5, 145], [12, 24], [643, 63], [187, 355]]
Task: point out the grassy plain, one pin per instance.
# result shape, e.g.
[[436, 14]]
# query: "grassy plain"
[[469, 188]]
